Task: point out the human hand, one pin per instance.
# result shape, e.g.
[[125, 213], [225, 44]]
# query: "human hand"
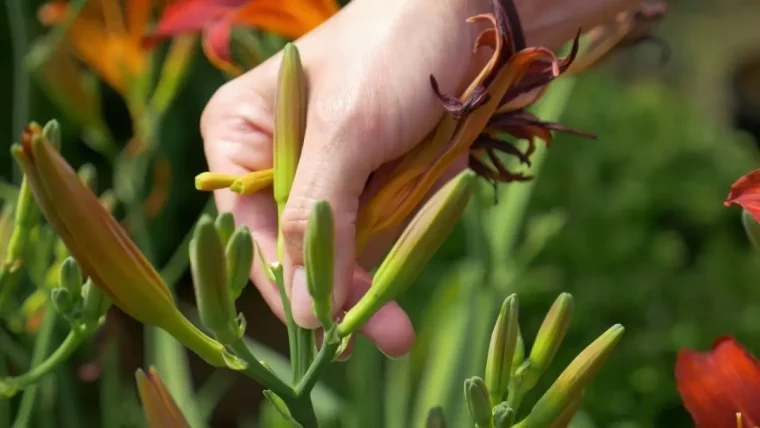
[[369, 103]]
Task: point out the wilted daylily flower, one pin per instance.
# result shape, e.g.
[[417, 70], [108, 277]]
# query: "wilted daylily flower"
[[158, 404], [720, 388], [103, 249], [493, 104], [289, 18], [101, 38]]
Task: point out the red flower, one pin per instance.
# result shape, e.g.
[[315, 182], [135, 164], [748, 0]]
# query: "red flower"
[[746, 193], [215, 18], [720, 388]]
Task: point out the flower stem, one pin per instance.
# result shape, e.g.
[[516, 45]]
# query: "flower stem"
[[41, 347], [316, 368], [289, 322], [261, 374]]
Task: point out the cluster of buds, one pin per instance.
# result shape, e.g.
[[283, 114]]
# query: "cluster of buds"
[[494, 401]]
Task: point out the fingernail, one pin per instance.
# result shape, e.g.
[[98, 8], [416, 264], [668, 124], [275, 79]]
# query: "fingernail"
[[301, 300]]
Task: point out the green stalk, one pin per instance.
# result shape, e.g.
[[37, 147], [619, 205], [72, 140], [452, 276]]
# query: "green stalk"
[[110, 386], [289, 321], [25, 220], [41, 347], [8, 192], [315, 370], [261, 374], [70, 404], [42, 368], [5, 405], [19, 41]]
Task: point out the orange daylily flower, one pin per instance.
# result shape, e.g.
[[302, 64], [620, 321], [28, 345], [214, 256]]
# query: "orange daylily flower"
[[160, 408], [745, 192], [215, 18], [720, 388], [106, 37]]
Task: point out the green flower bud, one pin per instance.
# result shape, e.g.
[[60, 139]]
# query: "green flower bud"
[[476, 393], [289, 127], [215, 305], [435, 418], [318, 254], [281, 407], [503, 415], [417, 244], [89, 176], [502, 349], [225, 227], [96, 303], [548, 339], [239, 257], [52, 132], [70, 277], [519, 356], [62, 301], [569, 386]]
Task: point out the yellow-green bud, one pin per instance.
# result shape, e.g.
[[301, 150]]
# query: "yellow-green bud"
[[89, 176], [239, 256], [417, 244], [62, 301], [502, 349], [213, 181], [207, 262], [569, 386], [549, 338], [96, 303], [519, 356], [52, 132], [319, 254], [503, 415], [476, 393], [70, 277], [289, 126], [225, 227], [435, 418]]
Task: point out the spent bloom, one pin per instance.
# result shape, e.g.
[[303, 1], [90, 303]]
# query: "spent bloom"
[[102, 247], [289, 18], [720, 388], [493, 105]]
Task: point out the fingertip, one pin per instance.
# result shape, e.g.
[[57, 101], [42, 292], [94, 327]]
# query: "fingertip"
[[301, 301], [391, 330]]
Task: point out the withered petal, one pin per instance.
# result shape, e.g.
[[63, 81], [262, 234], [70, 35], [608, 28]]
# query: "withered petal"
[[716, 385]]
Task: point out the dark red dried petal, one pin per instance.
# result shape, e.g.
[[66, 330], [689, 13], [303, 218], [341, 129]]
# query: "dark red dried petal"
[[456, 108]]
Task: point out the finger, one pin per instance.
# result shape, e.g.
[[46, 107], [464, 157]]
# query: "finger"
[[390, 328], [236, 131]]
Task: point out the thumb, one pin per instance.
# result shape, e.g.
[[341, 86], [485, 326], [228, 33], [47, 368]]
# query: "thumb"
[[334, 167]]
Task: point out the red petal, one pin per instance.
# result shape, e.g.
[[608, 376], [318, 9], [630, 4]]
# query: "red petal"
[[190, 16], [216, 45], [746, 193], [716, 385]]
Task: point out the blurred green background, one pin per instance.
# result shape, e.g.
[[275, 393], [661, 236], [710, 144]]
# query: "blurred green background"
[[646, 241]]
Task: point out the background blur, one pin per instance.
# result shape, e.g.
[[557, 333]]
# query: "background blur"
[[645, 242]]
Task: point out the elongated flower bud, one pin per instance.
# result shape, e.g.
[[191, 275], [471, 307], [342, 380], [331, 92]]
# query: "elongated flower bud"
[[160, 408], [209, 268], [548, 339], [239, 256], [104, 251], [435, 418], [502, 349], [214, 181], [62, 301], [95, 304], [70, 277], [289, 126], [569, 386], [252, 182], [503, 416], [476, 393], [225, 227], [417, 244], [318, 254]]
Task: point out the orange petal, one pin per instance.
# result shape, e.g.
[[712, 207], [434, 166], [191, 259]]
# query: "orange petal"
[[289, 18], [718, 384], [745, 192], [138, 16], [190, 16]]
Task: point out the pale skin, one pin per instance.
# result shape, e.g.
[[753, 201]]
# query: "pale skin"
[[370, 102]]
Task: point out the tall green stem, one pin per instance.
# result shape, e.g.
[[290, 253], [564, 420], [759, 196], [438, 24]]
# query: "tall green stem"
[[39, 364]]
